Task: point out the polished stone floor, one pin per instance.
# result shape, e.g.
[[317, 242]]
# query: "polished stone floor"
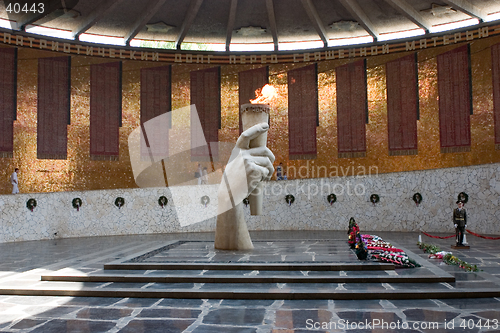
[[25, 262]]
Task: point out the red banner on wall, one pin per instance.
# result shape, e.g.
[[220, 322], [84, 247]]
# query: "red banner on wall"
[[302, 112], [495, 66], [205, 95], [8, 100], [352, 109], [155, 92], [249, 82], [155, 101], [53, 107], [105, 110], [455, 99], [402, 105]]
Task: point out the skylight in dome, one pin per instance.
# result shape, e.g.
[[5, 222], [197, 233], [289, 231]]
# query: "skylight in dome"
[[289, 46], [453, 25], [401, 34], [136, 42], [6, 23], [350, 41], [203, 47], [57, 33], [98, 39], [242, 47], [153, 44], [492, 17]]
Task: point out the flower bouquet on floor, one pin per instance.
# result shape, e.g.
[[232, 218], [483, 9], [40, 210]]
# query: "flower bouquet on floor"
[[374, 247], [438, 255], [384, 251], [398, 258], [452, 260], [374, 242]]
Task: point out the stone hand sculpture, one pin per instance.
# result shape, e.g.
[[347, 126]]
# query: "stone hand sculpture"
[[246, 168]]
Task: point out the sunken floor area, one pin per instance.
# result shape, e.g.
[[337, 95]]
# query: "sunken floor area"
[[293, 281]]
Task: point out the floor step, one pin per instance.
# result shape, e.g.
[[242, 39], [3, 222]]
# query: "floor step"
[[273, 293], [310, 266], [246, 279]]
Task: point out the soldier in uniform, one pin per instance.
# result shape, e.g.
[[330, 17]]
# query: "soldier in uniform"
[[460, 222]]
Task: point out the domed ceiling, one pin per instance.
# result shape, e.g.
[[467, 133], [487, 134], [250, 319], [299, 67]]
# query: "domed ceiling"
[[229, 23]]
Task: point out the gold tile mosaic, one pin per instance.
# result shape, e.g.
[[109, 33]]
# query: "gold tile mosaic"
[[78, 172]]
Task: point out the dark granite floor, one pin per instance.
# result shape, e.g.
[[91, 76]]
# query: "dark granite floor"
[[27, 261]]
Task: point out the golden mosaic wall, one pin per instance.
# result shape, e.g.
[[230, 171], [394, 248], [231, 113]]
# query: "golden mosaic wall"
[[78, 172]]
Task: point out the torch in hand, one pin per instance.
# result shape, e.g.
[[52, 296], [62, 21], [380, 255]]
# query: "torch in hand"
[[252, 114]]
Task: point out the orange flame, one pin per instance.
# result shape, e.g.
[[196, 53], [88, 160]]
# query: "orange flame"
[[264, 95]]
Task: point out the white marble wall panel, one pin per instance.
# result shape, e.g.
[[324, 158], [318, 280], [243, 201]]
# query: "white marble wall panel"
[[55, 217]]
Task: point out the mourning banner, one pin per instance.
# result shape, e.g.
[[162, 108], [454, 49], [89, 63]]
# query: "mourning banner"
[[105, 110], [205, 96], [402, 105], [302, 112], [8, 100], [495, 64], [53, 107], [352, 109], [455, 99], [155, 101]]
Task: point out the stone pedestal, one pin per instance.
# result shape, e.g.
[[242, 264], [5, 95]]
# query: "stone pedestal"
[[460, 247]]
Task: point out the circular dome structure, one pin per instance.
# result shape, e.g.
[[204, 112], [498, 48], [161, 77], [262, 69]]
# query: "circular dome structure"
[[243, 25]]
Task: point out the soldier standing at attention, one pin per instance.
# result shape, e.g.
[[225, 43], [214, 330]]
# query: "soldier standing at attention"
[[460, 222]]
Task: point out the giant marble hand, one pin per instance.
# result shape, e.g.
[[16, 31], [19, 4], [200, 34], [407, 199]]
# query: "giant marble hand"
[[247, 167]]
